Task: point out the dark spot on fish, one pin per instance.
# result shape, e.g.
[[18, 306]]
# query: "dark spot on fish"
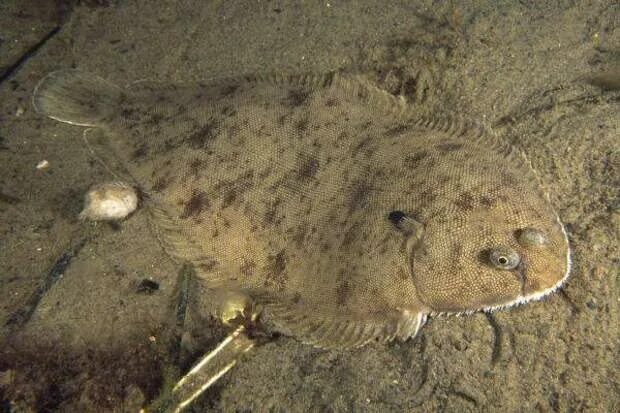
[[342, 136], [397, 130], [363, 146], [282, 120], [229, 197], [265, 173], [465, 201], [275, 269], [233, 132], [343, 292], [271, 212], [308, 169], [365, 126], [195, 166], [233, 189], [456, 252], [302, 125], [413, 161], [202, 137], [207, 264], [228, 111], [300, 235], [229, 90], [350, 235], [277, 263], [508, 179], [486, 201], [161, 183], [247, 268], [402, 273], [195, 204], [297, 97], [359, 196], [140, 151], [449, 147], [428, 197]]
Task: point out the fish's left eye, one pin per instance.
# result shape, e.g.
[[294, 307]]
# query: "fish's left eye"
[[531, 237], [504, 258]]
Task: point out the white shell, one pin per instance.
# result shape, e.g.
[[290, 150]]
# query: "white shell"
[[109, 201]]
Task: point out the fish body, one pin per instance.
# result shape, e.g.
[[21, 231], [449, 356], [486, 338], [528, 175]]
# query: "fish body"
[[326, 201]]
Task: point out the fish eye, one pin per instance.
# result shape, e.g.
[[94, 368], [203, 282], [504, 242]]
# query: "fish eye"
[[504, 258], [531, 237]]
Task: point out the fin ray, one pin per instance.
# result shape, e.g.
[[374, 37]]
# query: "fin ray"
[[77, 98], [336, 330]]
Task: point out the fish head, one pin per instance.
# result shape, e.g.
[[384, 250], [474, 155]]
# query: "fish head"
[[494, 256]]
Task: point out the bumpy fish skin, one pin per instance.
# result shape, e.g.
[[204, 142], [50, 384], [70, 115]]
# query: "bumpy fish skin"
[[326, 200]]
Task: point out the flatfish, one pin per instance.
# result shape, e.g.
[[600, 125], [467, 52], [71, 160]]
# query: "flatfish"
[[326, 202]]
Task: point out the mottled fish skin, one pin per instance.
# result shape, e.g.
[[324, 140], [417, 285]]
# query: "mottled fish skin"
[[289, 191]]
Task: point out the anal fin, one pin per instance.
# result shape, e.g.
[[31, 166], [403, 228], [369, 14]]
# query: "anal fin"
[[340, 331]]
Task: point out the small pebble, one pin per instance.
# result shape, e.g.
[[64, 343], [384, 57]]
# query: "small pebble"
[[147, 286], [44, 164], [109, 201]]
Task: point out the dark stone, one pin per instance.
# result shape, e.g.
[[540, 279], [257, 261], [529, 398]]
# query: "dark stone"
[[147, 286]]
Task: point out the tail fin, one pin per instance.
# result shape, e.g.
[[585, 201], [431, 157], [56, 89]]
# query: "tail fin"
[[77, 98], [205, 373]]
